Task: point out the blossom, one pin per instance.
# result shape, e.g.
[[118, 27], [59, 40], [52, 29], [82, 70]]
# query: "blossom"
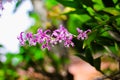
[[68, 41], [62, 35], [43, 36], [32, 39], [82, 34], [40, 37], [57, 36], [21, 38], [46, 45]]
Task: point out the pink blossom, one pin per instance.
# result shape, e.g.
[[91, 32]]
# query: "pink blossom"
[[46, 45], [57, 36], [68, 41], [21, 38], [43, 36], [62, 35], [82, 34], [32, 39]]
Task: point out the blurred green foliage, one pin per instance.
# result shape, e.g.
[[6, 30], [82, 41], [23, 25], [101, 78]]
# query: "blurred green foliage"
[[101, 16]]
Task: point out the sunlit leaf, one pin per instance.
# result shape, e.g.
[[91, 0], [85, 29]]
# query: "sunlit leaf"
[[116, 47], [50, 3], [112, 11]]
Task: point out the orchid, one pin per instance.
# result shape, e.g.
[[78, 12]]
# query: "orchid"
[[57, 36], [21, 38], [62, 35], [82, 34], [31, 38]]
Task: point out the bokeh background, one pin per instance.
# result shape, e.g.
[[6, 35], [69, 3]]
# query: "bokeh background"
[[90, 59]]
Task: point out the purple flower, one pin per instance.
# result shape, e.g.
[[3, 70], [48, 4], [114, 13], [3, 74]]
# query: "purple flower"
[[43, 36], [45, 39], [21, 38], [32, 39], [82, 34], [68, 41], [46, 45], [59, 34], [29, 35], [62, 35], [53, 41]]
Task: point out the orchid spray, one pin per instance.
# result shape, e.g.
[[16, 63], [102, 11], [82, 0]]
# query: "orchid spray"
[[57, 36]]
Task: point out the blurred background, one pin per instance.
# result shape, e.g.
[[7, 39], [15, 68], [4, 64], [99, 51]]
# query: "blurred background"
[[88, 60]]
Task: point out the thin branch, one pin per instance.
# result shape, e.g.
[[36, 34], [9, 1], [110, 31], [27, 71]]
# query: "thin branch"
[[112, 54], [112, 76], [119, 65], [117, 58]]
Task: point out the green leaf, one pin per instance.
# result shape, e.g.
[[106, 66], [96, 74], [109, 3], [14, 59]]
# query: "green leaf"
[[89, 57], [108, 3], [118, 21], [102, 40], [76, 21], [9, 57], [79, 12], [68, 3], [50, 3], [87, 3], [34, 15], [98, 5], [39, 54], [1, 72], [19, 2], [1, 46], [91, 38], [96, 47], [97, 63], [116, 47], [112, 11]]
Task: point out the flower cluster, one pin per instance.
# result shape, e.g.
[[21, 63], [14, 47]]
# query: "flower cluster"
[[82, 34], [60, 35], [46, 39]]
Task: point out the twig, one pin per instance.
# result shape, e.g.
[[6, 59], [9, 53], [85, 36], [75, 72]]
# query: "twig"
[[112, 54], [112, 76], [119, 65]]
